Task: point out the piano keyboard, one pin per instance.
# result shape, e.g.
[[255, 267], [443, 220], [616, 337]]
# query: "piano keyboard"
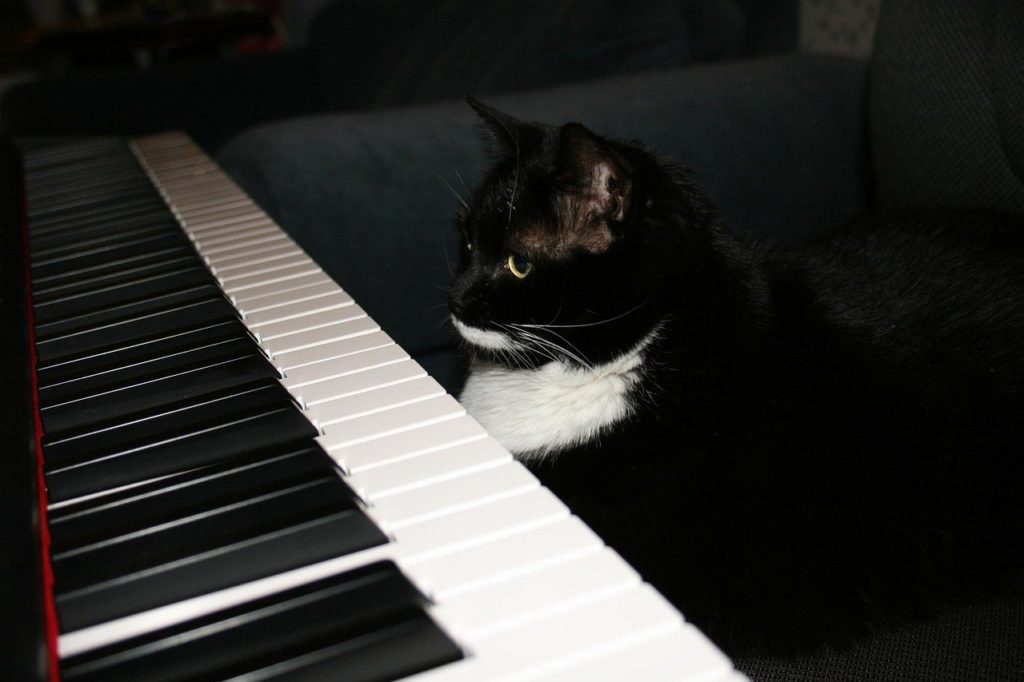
[[248, 478]]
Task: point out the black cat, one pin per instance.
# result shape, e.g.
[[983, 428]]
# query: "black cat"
[[796, 445]]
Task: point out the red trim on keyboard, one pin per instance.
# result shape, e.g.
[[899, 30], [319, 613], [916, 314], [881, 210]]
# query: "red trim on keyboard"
[[49, 605]]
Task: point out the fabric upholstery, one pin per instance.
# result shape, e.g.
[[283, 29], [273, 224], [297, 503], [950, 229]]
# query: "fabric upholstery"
[[374, 53], [978, 643], [947, 104]]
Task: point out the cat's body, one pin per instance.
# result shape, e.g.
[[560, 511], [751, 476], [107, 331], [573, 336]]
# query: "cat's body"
[[794, 444]]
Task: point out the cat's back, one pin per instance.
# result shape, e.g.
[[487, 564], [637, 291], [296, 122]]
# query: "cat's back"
[[951, 281], [925, 308]]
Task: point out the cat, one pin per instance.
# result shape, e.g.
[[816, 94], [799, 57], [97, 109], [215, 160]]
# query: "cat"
[[797, 445]]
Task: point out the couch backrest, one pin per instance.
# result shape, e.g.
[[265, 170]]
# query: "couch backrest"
[[946, 98], [385, 53]]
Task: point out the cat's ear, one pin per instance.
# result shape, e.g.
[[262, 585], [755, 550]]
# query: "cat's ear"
[[504, 129], [598, 174]]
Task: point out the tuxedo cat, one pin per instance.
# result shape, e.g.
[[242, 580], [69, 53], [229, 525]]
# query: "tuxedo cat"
[[795, 444]]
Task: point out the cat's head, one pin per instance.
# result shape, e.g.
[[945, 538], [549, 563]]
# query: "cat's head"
[[567, 247]]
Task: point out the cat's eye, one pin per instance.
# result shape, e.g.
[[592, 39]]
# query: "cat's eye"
[[519, 266], [469, 246]]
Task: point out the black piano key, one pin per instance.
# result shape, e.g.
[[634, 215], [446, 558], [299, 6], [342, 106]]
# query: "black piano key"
[[146, 267], [125, 332], [361, 625], [110, 197], [204, 531], [36, 158], [102, 240], [92, 314], [141, 368], [86, 300], [410, 644], [104, 233], [148, 449], [85, 190], [188, 493], [167, 422], [84, 175], [318, 539], [141, 358], [127, 210], [58, 175], [107, 406], [82, 258], [116, 270]]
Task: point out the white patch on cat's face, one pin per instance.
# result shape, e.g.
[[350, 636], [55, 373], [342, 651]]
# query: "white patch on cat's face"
[[484, 338], [537, 412]]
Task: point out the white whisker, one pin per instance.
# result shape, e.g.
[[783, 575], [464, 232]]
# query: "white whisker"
[[586, 324], [452, 189]]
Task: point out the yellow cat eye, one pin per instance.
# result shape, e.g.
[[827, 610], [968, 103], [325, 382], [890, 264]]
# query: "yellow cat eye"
[[519, 266]]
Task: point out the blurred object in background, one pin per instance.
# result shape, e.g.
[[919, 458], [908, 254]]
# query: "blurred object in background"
[[77, 35], [841, 28]]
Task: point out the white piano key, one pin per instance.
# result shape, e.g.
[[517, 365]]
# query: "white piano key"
[[558, 569], [679, 655], [307, 306], [414, 443], [182, 158], [250, 251], [215, 191], [421, 504], [359, 382], [215, 195], [271, 294], [256, 256], [375, 484], [237, 284], [380, 424], [237, 246], [212, 237], [331, 368], [192, 175], [208, 206], [330, 414], [212, 200], [256, 272], [356, 343], [184, 187], [201, 233], [288, 345], [244, 234], [290, 296], [504, 559], [488, 519], [269, 331], [620, 620], [234, 216]]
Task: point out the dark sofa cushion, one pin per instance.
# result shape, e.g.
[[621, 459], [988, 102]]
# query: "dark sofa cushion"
[[947, 104], [379, 53]]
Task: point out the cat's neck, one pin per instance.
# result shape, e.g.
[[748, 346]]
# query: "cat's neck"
[[536, 412]]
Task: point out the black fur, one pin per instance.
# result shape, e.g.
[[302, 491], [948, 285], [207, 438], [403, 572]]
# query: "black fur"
[[828, 437]]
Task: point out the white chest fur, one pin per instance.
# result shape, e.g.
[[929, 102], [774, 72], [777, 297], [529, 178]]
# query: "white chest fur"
[[537, 412]]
